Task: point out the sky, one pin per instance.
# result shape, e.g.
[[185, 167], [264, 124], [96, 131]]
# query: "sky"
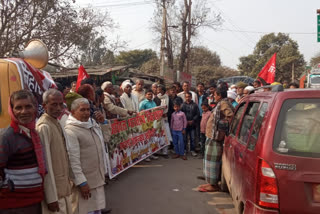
[[245, 22]]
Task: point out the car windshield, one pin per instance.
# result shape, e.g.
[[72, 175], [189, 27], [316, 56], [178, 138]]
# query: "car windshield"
[[315, 79], [298, 128]]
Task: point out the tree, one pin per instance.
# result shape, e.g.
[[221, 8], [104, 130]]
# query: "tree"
[[203, 56], [151, 67], [178, 35], [56, 22], [135, 58], [315, 60], [288, 57], [204, 73]]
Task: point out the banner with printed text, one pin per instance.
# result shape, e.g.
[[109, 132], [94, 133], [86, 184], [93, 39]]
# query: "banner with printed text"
[[135, 138]]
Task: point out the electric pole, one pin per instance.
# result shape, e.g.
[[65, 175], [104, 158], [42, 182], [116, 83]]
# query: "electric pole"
[[163, 33]]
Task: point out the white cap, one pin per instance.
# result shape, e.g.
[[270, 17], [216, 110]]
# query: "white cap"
[[232, 94], [125, 83], [105, 85], [249, 88]]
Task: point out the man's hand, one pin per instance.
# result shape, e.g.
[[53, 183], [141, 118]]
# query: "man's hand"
[[184, 132], [131, 112], [54, 207], [99, 116], [85, 191]]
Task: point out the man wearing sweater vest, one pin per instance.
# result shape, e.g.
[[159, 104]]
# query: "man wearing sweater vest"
[[22, 164], [57, 182]]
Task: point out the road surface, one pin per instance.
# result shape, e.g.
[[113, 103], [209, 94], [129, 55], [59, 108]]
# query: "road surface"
[[165, 186]]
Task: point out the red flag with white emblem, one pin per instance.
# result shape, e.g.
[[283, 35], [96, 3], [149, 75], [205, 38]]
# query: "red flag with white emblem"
[[268, 72], [81, 76]]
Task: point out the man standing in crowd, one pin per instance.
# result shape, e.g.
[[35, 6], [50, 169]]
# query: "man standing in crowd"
[[191, 111], [87, 157], [222, 114], [139, 91], [155, 98], [202, 97], [22, 164], [57, 184], [129, 101], [73, 86], [240, 88], [186, 89], [109, 104], [210, 98]]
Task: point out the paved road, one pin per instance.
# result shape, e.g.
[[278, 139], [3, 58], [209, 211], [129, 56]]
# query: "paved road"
[[165, 186]]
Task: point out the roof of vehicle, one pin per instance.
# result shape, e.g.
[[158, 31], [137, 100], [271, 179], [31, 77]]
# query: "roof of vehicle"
[[299, 93]]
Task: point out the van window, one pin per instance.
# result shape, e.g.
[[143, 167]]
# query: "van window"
[[247, 121], [236, 119], [298, 128], [256, 126]]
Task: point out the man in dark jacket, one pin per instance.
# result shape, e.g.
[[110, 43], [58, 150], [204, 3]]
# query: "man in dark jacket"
[[192, 113]]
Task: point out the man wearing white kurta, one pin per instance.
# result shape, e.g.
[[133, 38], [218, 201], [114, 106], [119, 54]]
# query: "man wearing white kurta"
[[57, 182], [128, 99], [87, 158]]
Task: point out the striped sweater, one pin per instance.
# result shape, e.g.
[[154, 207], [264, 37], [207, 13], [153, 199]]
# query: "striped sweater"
[[23, 185]]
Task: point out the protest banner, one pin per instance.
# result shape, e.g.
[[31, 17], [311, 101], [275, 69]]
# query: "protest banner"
[[135, 138]]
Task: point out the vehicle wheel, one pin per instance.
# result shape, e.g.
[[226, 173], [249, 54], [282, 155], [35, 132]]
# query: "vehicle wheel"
[[223, 183]]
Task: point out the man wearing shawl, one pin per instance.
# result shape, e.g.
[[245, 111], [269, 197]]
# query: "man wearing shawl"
[[22, 164], [57, 183], [128, 99], [87, 157], [216, 126]]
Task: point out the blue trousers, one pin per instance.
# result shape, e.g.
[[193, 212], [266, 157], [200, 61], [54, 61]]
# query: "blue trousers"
[[190, 131], [178, 142]]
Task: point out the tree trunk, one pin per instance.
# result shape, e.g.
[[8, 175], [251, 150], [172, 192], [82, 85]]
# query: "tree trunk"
[[184, 37]]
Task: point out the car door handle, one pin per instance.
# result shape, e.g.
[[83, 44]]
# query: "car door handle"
[[241, 155]]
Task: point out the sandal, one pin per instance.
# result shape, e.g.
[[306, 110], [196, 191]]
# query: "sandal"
[[213, 189]]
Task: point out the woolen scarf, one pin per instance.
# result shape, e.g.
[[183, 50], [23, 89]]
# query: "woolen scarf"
[[15, 124]]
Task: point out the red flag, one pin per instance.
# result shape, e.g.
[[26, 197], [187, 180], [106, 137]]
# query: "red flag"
[[268, 72], [81, 76]]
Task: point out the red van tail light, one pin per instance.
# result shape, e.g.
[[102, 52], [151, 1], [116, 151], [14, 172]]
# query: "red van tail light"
[[267, 194]]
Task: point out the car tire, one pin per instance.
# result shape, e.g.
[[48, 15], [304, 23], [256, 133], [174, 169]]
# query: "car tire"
[[223, 183]]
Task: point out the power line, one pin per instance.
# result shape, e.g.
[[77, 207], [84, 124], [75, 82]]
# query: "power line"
[[260, 32], [129, 4]]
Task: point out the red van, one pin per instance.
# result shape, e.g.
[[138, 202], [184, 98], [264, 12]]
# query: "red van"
[[271, 157]]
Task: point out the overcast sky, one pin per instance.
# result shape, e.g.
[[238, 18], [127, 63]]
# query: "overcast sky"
[[245, 22]]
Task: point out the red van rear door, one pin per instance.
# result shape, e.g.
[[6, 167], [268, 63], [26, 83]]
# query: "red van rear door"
[[296, 156]]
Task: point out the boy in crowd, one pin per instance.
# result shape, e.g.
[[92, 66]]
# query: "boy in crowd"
[[203, 124], [178, 126], [191, 111], [148, 103]]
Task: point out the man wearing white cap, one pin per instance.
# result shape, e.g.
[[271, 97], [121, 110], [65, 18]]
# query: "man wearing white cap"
[[109, 103], [232, 98], [129, 100]]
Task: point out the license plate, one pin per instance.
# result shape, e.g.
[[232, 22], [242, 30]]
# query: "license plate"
[[316, 192]]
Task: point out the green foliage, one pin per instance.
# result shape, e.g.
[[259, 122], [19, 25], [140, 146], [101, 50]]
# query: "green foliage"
[[151, 67], [315, 60], [205, 73], [203, 56], [287, 54], [135, 58]]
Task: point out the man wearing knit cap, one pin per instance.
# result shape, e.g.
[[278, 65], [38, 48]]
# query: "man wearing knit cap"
[[129, 100], [109, 103], [240, 88]]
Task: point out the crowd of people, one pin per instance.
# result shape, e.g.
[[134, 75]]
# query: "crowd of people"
[[57, 163]]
